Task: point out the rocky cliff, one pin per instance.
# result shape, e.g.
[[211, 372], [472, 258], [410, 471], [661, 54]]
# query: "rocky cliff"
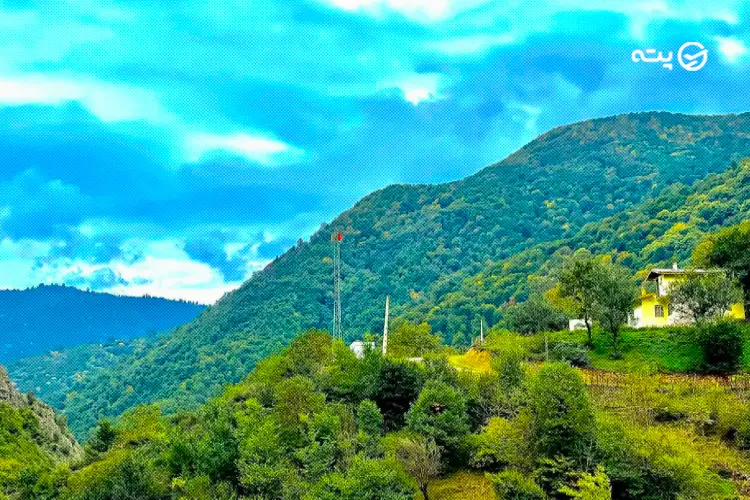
[[54, 437]]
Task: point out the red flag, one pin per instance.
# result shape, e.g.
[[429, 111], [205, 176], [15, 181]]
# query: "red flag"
[[339, 236]]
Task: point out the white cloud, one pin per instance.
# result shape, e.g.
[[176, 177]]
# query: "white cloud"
[[432, 9], [257, 148], [416, 87], [108, 102], [731, 48], [473, 44]]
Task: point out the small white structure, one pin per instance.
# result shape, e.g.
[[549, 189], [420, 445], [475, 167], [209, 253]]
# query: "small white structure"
[[576, 324], [359, 348]]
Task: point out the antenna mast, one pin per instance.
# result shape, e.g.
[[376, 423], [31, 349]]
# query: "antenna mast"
[[336, 240], [385, 324]]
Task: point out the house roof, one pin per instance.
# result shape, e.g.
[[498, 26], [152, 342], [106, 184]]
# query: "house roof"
[[655, 273]]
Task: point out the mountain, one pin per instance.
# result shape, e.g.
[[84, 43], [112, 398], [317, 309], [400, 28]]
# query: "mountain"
[[419, 244], [655, 233], [51, 317], [33, 438]]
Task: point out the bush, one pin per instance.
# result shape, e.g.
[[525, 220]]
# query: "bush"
[[502, 443], [570, 352], [722, 346], [513, 485], [559, 402]]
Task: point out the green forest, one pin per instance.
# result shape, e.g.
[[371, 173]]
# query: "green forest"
[[31, 320], [254, 399]]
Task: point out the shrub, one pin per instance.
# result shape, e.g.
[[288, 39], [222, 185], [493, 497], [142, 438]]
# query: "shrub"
[[513, 485], [722, 346], [502, 443], [570, 352], [559, 402]]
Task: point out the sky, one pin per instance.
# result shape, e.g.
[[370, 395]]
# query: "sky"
[[174, 147]]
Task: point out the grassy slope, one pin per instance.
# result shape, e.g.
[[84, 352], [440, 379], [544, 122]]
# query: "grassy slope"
[[461, 485]]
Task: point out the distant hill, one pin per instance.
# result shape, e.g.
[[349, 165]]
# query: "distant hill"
[[51, 317], [419, 244]]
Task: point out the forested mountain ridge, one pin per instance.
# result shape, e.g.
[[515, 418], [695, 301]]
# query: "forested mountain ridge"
[[414, 242], [655, 233], [51, 317]]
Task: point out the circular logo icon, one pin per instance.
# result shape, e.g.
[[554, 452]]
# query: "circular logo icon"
[[689, 58]]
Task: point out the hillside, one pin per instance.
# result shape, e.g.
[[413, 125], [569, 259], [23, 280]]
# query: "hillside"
[[51, 317], [53, 375], [313, 422], [658, 232], [32, 437], [419, 243]]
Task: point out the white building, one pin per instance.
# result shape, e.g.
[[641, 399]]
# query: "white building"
[[359, 348]]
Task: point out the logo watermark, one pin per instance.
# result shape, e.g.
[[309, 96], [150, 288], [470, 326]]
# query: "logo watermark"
[[691, 56]]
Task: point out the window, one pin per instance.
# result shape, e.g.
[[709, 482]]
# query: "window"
[[659, 311]]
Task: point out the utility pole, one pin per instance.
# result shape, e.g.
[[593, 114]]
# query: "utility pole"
[[481, 329], [385, 324], [336, 241]]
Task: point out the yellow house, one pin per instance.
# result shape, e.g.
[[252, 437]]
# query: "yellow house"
[[654, 309]]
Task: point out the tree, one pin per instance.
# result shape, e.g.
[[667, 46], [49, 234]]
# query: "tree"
[[615, 295], [703, 296], [296, 401], [512, 484], [420, 459], [440, 413], [722, 345], [104, 437], [535, 315], [579, 281], [411, 340], [400, 383], [369, 418], [729, 249], [590, 487], [366, 479], [562, 416]]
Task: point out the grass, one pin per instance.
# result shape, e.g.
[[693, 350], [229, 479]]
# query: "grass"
[[666, 350], [473, 361], [460, 486], [649, 350]]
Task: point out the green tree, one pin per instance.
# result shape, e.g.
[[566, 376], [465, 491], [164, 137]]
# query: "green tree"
[[579, 282], [729, 249], [400, 383], [615, 296], [535, 315], [369, 418], [104, 437], [722, 344], [265, 470], [296, 401], [562, 415], [412, 340], [366, 479], [440, 413], [512, 484], [703, 296], [370, 425], [420, 458], [590, 487]]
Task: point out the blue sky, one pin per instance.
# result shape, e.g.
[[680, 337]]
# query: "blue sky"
[[173, 147]]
